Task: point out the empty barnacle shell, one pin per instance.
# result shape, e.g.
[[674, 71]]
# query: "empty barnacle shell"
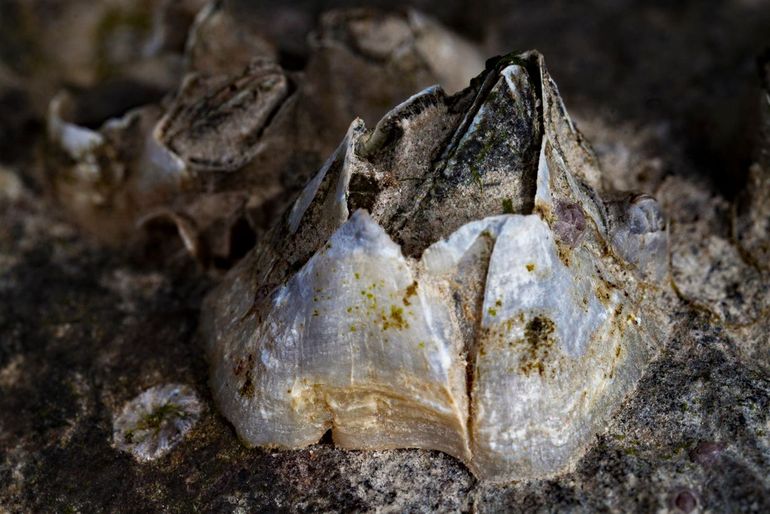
[[151, 424], [452, 279]]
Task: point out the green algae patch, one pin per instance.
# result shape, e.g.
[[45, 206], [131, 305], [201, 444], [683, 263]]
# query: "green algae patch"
[[395, 319], [538, 337]]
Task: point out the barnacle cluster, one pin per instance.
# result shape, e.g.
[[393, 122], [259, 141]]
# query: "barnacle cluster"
[[455, 278], [224, 153]]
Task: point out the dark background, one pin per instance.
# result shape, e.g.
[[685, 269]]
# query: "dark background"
[[688, 64]]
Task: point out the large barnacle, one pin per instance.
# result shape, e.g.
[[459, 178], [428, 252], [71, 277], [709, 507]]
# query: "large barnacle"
[[452, 279]]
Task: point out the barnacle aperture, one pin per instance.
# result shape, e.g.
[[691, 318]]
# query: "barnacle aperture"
[[452, 279]]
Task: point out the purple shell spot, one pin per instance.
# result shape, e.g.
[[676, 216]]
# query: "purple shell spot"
[[707, 453], [570, 222], [685, 501]]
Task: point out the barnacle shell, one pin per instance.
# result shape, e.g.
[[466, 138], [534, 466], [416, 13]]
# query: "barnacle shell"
[[452, 279], [218, 43], [151, 424], [86, 42], [105, 176], [410, 44]]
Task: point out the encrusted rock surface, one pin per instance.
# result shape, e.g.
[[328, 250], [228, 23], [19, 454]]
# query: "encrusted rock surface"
[[83, 329]]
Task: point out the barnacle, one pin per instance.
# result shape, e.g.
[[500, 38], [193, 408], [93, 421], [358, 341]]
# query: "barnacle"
[[452, 279], [151, 424]]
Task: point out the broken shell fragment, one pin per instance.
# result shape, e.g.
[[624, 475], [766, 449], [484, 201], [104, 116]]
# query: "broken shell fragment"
[[151, 424], [452, 279]]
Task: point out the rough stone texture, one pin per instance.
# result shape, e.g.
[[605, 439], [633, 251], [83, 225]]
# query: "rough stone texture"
[[667, 92]]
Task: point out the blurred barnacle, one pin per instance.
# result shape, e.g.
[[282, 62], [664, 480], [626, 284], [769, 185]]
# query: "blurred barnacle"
[[85, 43], [218, 42], [104, 176], [640, 237], [252, 132], [751, 224]]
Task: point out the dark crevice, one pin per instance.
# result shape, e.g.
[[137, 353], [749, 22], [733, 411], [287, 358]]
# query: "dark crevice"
[[242, 239], [362, 192], [112, 99], [327, 438], [292, 61], [473, 345]]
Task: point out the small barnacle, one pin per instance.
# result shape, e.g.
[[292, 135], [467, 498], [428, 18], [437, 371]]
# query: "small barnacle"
[[645, 215], [151, 424], [638, 233]]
